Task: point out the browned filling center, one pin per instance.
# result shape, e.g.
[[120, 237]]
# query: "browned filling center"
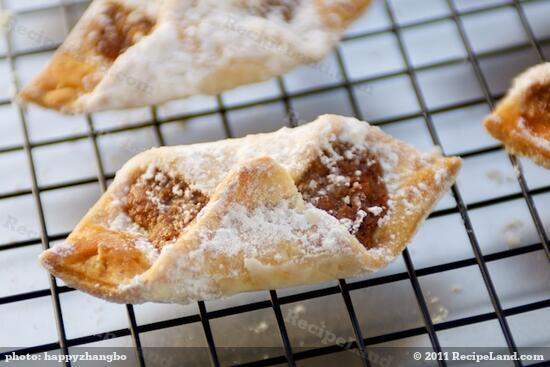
[[163, 205], [347, 183], [536, 109], [116, 29], [286, 8]]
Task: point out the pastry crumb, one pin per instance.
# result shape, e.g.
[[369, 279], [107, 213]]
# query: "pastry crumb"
[[441, 314], [438, 311], [499, 177], [512, 233]]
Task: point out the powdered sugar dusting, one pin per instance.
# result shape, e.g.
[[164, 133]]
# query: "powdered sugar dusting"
[[259, 231], [123, 223], [147, 248], [381, 253], [526, 133], [63, 249], [208, 46], [376, 210], [135, 282]]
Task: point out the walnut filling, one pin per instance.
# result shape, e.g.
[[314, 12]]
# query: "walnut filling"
[[536, 109], [263, 8], [347, 183], [163, 205], [117, 29]]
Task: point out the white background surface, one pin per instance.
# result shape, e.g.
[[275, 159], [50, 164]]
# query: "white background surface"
[[381, 309]]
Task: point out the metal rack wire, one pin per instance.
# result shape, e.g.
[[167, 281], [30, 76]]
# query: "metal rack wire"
[[343, 288]]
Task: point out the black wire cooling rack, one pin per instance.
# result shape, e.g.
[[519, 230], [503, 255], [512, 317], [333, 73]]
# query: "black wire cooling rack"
[[291, 355]]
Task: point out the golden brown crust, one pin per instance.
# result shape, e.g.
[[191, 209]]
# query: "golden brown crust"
[[102, 260], [256, 231], [522, 120], [61, 83], [403, 226]]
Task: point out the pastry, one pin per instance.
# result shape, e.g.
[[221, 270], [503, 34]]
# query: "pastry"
[[522, 120], [330, 199], [124, 53]]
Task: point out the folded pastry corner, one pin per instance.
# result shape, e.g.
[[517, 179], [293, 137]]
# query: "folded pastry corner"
[[137, 53], [107, 30], [522, 119], [331, 199]]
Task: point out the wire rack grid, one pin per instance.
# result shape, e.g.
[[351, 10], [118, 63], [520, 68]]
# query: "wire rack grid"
[[399, 29]]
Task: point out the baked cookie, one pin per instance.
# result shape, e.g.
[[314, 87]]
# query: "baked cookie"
[[331, 199], [124, 53], [522, 120]]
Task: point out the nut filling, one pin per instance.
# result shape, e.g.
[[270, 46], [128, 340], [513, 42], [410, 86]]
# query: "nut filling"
[[347, 183], [163, 205], [535, 110], [116, 30]]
